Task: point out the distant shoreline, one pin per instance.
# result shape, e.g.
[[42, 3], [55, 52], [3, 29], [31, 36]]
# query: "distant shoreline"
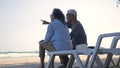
[[19, 52], [18, 55]]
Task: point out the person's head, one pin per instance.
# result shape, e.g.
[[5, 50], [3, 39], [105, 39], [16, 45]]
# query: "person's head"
[[58, 14], [71, 15]]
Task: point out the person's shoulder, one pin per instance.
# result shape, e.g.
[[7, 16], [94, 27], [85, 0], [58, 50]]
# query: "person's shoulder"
[[54, 22], [79, 23]]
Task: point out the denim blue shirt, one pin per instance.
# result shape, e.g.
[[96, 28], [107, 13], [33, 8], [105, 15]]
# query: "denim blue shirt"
[[58, 34]]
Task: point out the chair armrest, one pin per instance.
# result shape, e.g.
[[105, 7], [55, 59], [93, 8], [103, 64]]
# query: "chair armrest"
[[100, 37]]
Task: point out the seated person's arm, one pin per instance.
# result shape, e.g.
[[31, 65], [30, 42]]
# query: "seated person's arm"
[[45, 22]]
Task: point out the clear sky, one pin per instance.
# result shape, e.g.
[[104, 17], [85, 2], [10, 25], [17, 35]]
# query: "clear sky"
[[21, 28]]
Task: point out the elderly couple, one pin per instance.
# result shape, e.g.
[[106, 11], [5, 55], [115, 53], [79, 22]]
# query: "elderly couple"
[[58, 38]]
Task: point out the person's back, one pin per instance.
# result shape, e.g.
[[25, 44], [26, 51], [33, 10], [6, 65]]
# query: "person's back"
[[78, 34], [59, 35]]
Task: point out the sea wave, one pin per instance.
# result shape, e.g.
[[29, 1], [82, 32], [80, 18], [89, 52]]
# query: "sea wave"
[[19, 54]]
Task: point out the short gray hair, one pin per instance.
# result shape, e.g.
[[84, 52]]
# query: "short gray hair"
[[72, 11]]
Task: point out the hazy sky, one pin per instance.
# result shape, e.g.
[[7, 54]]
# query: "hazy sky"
[[21, 28]]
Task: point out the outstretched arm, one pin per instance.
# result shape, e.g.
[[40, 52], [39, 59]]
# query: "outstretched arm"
[[45, 22]]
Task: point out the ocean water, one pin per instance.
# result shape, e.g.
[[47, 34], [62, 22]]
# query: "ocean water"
[[7, 55]]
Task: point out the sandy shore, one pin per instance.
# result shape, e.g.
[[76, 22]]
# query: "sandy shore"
[[33, 62]]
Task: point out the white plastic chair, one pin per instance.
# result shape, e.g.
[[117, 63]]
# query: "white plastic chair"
[[110, 52], [75, 54]]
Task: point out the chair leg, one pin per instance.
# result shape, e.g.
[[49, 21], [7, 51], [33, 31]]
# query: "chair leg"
[[70, 62], [108, 60], [50, 63], [78, 60], [87, 60], [118, 63], [98, 61]]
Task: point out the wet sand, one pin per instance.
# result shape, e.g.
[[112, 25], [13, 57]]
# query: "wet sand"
[[33, 62]]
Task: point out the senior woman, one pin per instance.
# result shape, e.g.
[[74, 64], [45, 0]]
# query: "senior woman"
[[57, 37]]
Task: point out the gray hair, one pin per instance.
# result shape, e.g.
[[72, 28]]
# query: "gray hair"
[[73, 12]]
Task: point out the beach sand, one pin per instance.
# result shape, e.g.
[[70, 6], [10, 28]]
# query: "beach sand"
[[33, 62]]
